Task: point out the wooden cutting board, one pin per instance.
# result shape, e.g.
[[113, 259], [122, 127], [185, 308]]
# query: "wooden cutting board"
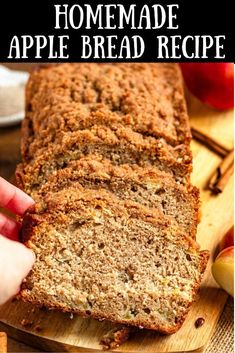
[[54, 331], [3, 342]]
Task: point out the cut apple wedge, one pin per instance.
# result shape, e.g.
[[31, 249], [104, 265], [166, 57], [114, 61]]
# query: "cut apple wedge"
[[223, 270]]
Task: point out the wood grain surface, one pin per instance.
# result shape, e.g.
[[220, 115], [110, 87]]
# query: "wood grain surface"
[[3, 342], [54, 331]]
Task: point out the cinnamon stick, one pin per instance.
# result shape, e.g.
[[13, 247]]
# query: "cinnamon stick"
[[209, 142], [219, 180]]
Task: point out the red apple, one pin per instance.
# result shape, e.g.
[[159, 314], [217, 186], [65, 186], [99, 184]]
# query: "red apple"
[[223, 270], [212, 83], [228, 239]]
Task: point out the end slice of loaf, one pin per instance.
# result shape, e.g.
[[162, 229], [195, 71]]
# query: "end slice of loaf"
[[105, 258]]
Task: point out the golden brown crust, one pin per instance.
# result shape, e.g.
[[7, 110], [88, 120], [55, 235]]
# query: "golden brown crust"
[[148, 98]]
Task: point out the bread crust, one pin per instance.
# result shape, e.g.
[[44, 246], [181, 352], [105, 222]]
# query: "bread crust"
[[149, 98]]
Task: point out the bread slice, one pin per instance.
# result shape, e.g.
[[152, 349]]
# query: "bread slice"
[[120, 145], [148, 98], [105, 258], [148, 186]]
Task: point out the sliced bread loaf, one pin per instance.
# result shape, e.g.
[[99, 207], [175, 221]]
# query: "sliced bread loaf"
[[106, 155], [105, 258]]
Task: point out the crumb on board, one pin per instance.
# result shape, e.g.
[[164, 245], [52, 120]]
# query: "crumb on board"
[[199, 322], [115, 337], [30, 323], [38, 328], [26, 322]]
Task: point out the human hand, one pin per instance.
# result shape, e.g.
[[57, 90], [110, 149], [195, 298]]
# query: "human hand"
[[15, 259]]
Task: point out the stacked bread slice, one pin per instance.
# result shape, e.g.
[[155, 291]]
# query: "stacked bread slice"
[[106, 157]]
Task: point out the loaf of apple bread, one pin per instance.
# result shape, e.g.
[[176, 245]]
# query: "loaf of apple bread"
[[106, 157]]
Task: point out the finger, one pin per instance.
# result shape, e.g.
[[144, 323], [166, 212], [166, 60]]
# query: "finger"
[[9, 227], [13, 198], [18, 254], [26, 259]]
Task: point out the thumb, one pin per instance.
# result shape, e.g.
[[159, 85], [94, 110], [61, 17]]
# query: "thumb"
[[18, 254]]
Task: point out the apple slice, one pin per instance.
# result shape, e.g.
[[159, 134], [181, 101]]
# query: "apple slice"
[[223, 270]]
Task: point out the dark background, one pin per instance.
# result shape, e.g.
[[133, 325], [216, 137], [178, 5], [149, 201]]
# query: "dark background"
[[38, 17]]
